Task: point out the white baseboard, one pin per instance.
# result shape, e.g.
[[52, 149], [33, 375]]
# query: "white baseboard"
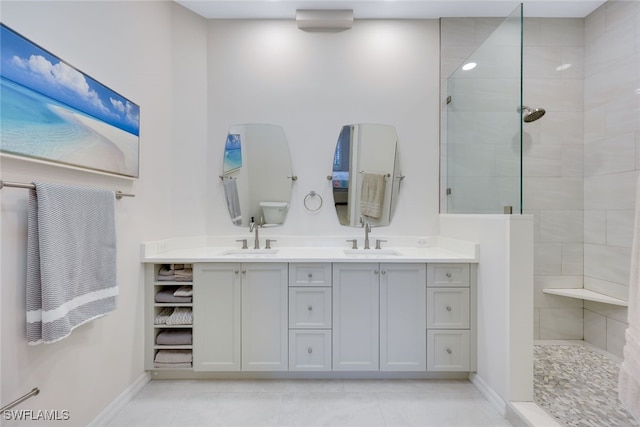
[[498, 403], [119, 402]]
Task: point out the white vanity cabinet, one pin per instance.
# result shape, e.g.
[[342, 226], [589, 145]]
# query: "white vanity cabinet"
[[410, 317], [379, 317], [240, 311], [448, 317]]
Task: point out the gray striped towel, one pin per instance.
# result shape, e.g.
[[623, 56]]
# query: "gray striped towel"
[[71, 259]]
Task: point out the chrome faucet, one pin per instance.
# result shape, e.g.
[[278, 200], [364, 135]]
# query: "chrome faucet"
[[253, 227], [367, 230]]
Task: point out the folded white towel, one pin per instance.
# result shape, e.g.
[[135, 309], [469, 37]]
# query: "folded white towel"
[[181, 316], [183, 291], [163, 316], [173, 356]]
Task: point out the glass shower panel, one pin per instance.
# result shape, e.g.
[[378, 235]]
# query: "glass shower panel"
[[484, 126]]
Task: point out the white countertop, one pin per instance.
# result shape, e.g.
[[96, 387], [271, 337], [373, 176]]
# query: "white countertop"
[[194, 250]]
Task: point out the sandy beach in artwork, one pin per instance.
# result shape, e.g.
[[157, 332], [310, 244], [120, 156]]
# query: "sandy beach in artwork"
[[105, 147]]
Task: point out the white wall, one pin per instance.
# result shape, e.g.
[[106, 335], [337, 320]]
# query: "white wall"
[[505, 291], [312, 84], [142, 50]]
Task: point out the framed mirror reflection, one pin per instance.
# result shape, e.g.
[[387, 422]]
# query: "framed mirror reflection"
[[257, 175], [366, 174]]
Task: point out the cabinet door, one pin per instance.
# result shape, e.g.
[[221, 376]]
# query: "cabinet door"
[[264, 317], [403, 317], [355, 317], [216, 317]]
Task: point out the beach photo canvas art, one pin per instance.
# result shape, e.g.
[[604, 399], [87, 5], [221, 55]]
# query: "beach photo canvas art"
[[50, 111]]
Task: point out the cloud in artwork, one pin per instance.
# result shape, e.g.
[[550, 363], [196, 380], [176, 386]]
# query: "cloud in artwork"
[[62, 76], [127, 110]]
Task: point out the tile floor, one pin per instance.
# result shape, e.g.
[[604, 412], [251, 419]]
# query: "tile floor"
[[308, 403], [578, 385]]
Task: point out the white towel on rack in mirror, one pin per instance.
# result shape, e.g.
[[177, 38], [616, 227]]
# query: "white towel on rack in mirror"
[[629, 378], [372, 195], [71, 259]]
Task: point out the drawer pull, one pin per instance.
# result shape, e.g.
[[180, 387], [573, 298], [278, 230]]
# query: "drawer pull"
[[310, 308], [448, 275], [448, 308], [310, 275], [449, 351], [310, 350]]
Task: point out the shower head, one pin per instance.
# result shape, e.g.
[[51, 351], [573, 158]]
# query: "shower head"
[[531, 114]]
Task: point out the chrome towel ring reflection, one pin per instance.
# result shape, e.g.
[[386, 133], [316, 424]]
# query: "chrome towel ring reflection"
[[313, 201]]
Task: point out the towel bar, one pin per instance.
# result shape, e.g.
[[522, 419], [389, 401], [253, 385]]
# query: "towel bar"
[[21, 399], [119, 194]]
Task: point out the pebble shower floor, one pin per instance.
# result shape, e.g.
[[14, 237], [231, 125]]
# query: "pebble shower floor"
[[578, 386]]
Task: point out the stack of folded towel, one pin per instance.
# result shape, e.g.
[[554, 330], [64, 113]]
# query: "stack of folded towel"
[[174, 316], [173, 359], [175, 337], [183, 294], [175, 273]]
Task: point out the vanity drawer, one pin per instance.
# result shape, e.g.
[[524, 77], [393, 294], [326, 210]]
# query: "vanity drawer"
[[309, 308], [309, 350], [448, 275], [310, 274], [447, 308], [448, 350]]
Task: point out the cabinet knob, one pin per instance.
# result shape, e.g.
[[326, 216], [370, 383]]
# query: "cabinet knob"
[[448, 308], [375, 271], [310, 308], [244, 271], [383, 272], [448, 275], [236, 271], [310, 350], [449, 351], [310, 275]]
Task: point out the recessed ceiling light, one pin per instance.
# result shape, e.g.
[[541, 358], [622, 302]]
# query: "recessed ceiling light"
[[469, 66], [562, 67]]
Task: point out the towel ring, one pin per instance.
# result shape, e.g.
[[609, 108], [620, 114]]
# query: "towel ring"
[[312, 195]]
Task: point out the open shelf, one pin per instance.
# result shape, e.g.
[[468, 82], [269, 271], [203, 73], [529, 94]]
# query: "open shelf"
[[586, 294]]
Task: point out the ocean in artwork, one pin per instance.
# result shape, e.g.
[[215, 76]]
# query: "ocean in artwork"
[[232, 153], [39, 127]]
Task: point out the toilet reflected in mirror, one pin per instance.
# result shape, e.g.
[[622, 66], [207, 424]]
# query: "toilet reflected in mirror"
[[257, 174], [366, 174]]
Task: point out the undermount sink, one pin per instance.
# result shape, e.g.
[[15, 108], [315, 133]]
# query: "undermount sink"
[[370, 253], [253, 253]]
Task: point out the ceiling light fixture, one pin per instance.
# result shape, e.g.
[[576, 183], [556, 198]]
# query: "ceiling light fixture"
[[469, 66], [324, 19]]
